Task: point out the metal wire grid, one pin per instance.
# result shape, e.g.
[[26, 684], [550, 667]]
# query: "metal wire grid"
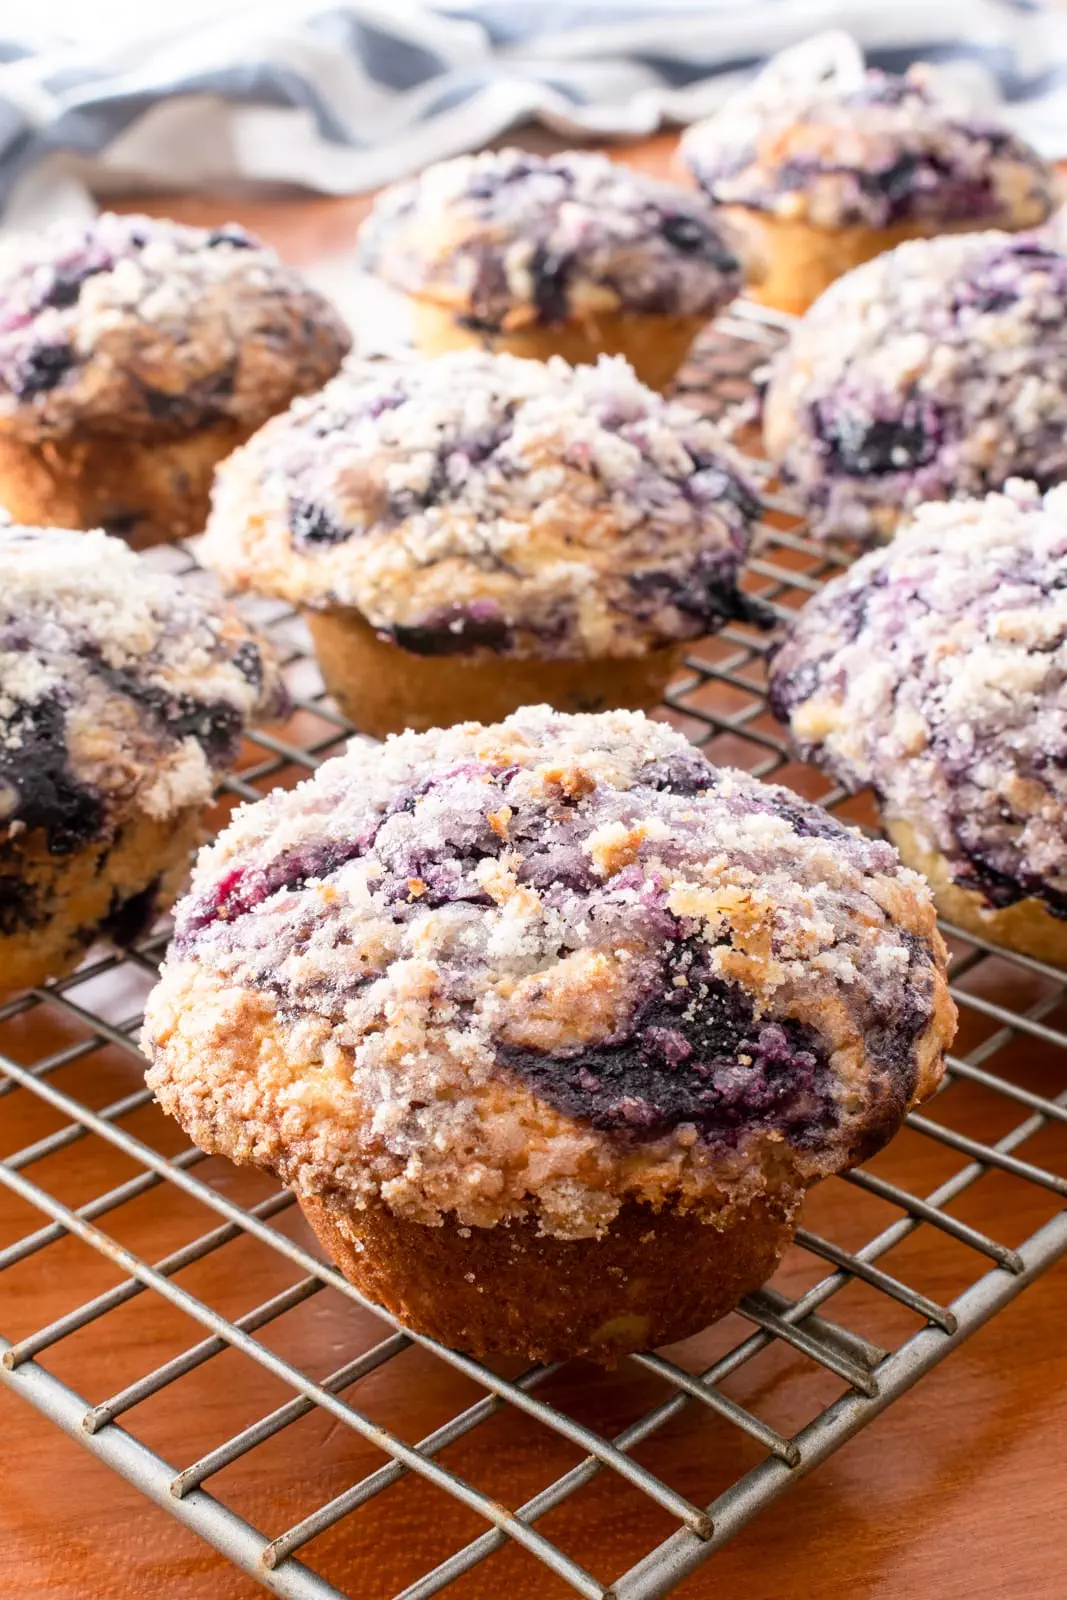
[[719, 702]]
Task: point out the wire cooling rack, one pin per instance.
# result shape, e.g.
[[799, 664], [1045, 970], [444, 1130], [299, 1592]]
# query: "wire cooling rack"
[[971, 1193]]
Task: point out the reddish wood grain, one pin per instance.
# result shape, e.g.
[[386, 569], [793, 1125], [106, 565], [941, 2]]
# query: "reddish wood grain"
[[957, 1491]]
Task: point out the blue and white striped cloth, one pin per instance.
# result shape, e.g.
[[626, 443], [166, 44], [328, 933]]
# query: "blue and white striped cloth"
[[339, 98]]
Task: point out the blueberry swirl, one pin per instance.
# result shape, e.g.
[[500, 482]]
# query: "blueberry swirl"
[[543, 967], [513, 240], [483, 503]]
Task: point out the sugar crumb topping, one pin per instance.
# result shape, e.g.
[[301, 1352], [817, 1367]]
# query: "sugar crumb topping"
[[543, 967]]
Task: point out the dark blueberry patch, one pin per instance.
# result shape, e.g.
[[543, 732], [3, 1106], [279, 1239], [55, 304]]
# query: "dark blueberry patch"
[[549, 272], [34, 763], [66, 286], [703, 595], [20, 902], [688, 772], [861, 446], [249, 663], [215, 725], [128, 919], [695, 1054], [312, 524], [232, 234], [42, 369], [895, 182], [691, 237], [454, 634]]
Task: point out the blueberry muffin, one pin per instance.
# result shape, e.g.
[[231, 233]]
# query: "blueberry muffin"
[[549, 1025], [823, 177], [938, 369], [566, 254], [123, 696], [475, 533], [134, 355], [935, 672]]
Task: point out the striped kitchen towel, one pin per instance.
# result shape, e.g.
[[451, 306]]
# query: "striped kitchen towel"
[[339, 98]]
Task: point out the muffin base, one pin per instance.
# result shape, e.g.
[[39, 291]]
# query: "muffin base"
[[1027, 926], [653, 1278], [145, 491], [383, 688], [798, 260], [113, 888], [654, 343]]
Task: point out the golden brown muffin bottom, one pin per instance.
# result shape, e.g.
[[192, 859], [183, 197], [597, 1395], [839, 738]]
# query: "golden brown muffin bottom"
[[653, 1278], [798, 260], [383, 688], [1027, 926], [92, 886], [654, 343], [144, 490]]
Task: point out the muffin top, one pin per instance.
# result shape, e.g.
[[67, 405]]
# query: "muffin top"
[[121, 692], [872, 152], [483, 502], [938, 368], [935, 671], [512, 239], [128, 323], [542, 968]]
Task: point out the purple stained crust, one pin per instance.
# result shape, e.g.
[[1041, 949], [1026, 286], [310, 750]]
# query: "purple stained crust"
[[509, 866], [935, 672], [512, 238], [874, 154], [939, 368]]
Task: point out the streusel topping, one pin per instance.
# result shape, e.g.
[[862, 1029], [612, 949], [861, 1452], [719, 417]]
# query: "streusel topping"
[[511, 239], [480, 501], [543, 967], [120, 690], [938, 368], [133, 322], [935, 671], [874, 153]]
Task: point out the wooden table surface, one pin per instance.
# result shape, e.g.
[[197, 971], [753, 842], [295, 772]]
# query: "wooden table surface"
[[958, 1491]]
